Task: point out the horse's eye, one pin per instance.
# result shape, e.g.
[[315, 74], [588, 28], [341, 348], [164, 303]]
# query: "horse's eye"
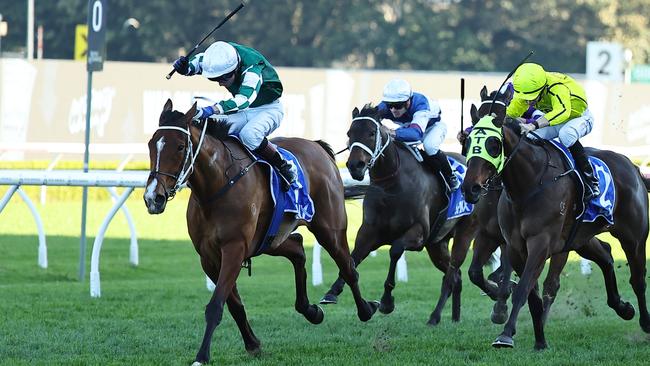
[[181, 147], [493, 146]]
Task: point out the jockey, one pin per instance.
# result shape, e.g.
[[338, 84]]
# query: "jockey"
[[419, 120], [563, 103], [255, 110]]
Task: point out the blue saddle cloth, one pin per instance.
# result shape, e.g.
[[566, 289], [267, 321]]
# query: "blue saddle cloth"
[[602, 205], [296, 200], [457, 205]]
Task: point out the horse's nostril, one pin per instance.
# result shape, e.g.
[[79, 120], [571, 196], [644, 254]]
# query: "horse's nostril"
[[476, 189], [160, 199]]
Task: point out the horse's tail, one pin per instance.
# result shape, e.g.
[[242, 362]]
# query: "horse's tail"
[[327, 148], [355, 191]]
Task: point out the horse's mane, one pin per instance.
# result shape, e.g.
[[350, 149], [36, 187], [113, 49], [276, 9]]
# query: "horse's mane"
[[327, 148], [217, 128], [368, 110], [171, 118]]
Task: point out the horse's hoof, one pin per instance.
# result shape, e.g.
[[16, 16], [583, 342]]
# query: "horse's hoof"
[[540, 346], [314, 314], [434, 320], [387, 307], [626, 311], [197, 363], [645, 325], [329, 299], [371, 309], [254, 351], [503, 341]]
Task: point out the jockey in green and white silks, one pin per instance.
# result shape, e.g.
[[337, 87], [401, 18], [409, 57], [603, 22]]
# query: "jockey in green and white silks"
[[563, 103], [419, 118], [254, 111]]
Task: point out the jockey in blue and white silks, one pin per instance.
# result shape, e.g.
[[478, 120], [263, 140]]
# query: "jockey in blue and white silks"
[[419, 121]]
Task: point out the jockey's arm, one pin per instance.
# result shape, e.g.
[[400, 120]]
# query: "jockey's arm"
[[517, 108], [195, 65], [561, 105], [415, 130], [248, 91]]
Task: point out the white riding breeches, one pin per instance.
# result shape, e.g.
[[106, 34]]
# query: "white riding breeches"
[[254, 124], [569, 132], [434, 135]]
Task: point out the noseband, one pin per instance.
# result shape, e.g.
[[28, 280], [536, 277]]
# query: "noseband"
[[379, 148], [190, 157]]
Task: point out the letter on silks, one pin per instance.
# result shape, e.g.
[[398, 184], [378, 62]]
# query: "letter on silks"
[[476, 150]]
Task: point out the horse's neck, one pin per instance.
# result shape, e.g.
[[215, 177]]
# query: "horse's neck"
[[523, 172], [387, 164], [210, 167]]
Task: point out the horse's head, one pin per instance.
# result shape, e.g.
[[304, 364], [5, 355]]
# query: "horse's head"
[[366, 135], [170, 157], [485, 143], [485, 156]]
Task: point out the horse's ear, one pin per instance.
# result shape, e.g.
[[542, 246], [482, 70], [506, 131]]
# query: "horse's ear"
[[484, 93], [355, 112], [191, 113], [168, 105], [473, 112]]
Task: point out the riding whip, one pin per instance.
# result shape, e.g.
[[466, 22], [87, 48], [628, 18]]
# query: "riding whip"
[[169, 76], [462, 96], [508, 77]]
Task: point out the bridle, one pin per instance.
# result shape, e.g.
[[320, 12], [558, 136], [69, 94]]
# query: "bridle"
[[379, 145], [190, 157]]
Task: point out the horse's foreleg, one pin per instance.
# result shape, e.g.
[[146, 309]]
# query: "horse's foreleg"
[[293, 250], [483, 249], [236, 309], [335, 242], [536, 308], [366, 242], [600, 253], [537, 248], [387, 302], [552, 282], [232, 255], [500, 310]]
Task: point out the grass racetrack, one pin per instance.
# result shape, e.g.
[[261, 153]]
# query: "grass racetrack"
[[153, 314]]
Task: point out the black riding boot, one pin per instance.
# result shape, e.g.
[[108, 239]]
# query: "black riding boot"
[[439, 163], [269, 153], [585, 169]]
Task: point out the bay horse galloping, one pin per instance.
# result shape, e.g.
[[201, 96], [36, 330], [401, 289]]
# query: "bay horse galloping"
[[230, 209], [538, 211], [401, 208]]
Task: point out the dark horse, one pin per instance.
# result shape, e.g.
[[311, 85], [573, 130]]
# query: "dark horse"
[[401, 208], [490, 237], [227, 225], [538, 210]]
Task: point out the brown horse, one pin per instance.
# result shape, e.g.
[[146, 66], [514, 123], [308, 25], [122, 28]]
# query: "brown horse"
[[401, 208], [538, 211], [230, 209]]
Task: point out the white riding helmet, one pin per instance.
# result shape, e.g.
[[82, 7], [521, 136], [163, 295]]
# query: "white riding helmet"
[[219, 59], [397, 90]]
